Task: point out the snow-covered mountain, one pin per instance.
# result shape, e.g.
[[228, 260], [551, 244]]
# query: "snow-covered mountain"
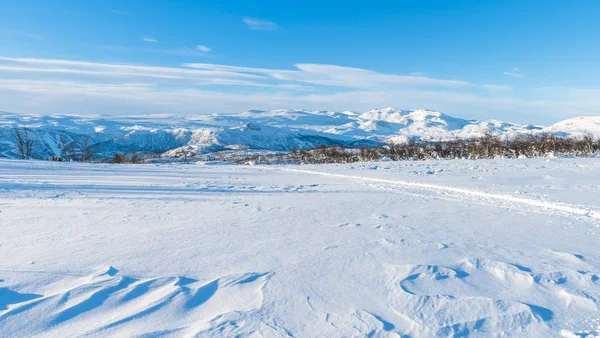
[[277, 130], [578, 126]]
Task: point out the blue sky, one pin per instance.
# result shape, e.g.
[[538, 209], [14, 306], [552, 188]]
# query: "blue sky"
[[523, 61]]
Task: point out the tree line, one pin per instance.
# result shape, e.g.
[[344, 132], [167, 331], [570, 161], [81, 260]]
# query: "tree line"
[[486, 147]]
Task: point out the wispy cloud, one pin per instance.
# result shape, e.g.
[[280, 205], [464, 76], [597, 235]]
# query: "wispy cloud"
[[119, 12], [203, 49], [492, 88], [179, 51], [515, 72], [260, 25], [115, 71], [73, 97], [149, 39], [314, 74], [22, 34], [333, 75], [34, 36], [69, 86]]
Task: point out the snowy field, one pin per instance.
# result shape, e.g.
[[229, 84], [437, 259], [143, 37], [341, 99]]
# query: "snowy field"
[[409, 249]]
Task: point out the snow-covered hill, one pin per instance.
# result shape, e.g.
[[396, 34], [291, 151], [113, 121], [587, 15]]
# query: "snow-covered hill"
[[585, 125], [277, 130]]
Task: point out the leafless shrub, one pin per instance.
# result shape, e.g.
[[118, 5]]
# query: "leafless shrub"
[[117, 159], [23, 141], [134, 158], [487, 146], [83, 150], [87, 149]]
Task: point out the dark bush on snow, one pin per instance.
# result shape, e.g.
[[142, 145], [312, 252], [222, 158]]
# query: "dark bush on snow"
[[486, 147]]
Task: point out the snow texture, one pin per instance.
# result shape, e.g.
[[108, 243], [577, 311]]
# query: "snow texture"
[[391, 249]]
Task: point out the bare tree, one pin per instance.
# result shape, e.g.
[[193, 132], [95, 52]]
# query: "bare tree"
[[158, 153], [87, 149], [486, 146], [117, 158], [83, 150], [135, 158], [23, 141], [69, 151]]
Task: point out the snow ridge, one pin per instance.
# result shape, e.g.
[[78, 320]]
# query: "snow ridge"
[[276, 130]]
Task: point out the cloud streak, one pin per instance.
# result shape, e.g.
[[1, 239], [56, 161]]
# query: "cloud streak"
[[119, 12], [202, 73], [35, 85], [515, 72], [497, 88], [72, 97], [260, 25], [203, 49], [332, 75], [118, 71]]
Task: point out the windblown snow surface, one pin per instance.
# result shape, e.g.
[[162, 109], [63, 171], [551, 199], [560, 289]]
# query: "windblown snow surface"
[[405, 249]]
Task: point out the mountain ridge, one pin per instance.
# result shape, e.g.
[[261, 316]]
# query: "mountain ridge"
[[275, 130]]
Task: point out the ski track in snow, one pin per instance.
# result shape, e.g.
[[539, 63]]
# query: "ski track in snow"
[[575, 210], [236, 251]]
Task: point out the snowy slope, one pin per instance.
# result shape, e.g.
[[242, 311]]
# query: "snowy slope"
[[267, 130], [588, 125], [420, 249]]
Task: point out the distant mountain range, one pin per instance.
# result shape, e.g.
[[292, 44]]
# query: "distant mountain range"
[[276, 130]]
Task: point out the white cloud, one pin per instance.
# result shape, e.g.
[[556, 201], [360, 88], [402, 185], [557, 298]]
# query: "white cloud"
[[119, 12], [118, 71], [315, 74], [515, 72], [337, 76], [149, 39], [180, 51], [33, 85], [361, 78], [183, 51], [203, 49], [35, 36], [260, 25], [497, 88], [32, 96]]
